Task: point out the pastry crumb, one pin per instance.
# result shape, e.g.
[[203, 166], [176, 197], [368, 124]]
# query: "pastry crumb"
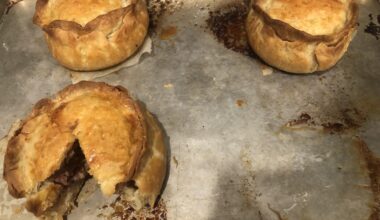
[[266, 70], [241, 103], [168, 86], [17, 209]]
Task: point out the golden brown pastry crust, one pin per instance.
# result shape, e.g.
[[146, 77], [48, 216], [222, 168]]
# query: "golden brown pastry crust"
[[40, 202], [27, 160], [102, 42], [315, 17], [290, 49], [107, 122], [151, 173]]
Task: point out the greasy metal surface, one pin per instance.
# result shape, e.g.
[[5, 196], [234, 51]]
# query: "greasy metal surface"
[[2, 8], [232, 155]]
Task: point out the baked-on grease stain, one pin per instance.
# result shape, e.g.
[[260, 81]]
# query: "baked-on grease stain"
[[122, 210], [168, 32], [240, 103], [372, 28], [349, 119], [228, 25], [304, 118], [372, 165], [157, 8]]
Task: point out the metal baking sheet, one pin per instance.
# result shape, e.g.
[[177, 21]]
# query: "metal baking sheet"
[[245, 142]]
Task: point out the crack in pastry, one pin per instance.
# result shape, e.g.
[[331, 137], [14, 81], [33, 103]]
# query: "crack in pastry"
[[92, 34], [301, 36], [88, 129]]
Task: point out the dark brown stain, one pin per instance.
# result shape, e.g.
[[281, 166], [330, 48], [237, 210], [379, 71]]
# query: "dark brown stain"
[[304, 118], [157, 8], [10, 4], [372, 28], [372, 164], [260, 215], [122, 210], [349, 119], [333, 127], [228, 25], [168, 32], [240, 103]]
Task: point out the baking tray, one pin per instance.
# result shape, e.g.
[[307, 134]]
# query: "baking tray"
[[246, 141]]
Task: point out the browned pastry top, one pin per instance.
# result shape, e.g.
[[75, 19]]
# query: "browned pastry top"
[[322, 17], [79, 11]]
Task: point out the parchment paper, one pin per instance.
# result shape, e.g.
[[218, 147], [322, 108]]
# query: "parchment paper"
[[146, 48]]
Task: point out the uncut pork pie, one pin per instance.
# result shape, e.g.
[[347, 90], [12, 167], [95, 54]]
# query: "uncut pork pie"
[[300, 36], [90, 34]]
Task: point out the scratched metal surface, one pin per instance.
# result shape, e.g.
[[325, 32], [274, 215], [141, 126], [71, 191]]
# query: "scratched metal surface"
[[231, 161]]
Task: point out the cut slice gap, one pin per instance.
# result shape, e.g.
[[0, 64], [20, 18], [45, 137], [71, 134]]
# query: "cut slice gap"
[[132, 184], [57, 196], [73, 168]]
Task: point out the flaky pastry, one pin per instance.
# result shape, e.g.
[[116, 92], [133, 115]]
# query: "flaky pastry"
[[90, 34], [87, 129], [301, 36]]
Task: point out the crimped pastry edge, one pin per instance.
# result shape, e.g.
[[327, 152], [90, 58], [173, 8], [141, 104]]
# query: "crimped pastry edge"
[[65, 38]]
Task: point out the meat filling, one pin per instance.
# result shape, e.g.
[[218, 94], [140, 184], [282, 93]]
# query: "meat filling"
[[73, 169]]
